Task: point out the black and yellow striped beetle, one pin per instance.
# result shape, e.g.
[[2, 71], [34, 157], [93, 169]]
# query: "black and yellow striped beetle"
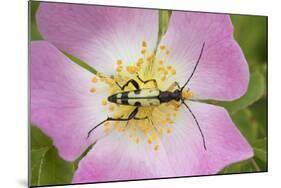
[[149, 97]]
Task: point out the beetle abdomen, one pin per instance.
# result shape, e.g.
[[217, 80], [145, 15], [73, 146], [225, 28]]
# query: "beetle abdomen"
[[141, 97]]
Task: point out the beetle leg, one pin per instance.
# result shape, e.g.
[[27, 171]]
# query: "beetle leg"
[[173, 85], [146, 81], [132, 81], [131, 116]]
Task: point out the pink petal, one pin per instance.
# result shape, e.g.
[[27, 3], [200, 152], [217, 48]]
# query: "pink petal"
[[224, 143], [116, 157], [61, 103], [98, 35], [181, 153], [222, 72]]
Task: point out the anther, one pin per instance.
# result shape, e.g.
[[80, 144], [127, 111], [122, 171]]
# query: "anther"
[[119, 62], [94, 80], [144, 44], [143, 51], [93, 90], [156, 147], [173, 71], [111, 107], [104, 102], [168, 130], [131, 69], [162, 47]]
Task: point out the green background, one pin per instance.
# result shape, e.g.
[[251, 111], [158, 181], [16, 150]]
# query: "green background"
[[249, 112]]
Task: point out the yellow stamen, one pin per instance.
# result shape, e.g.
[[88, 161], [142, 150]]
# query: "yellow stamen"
[[131, 69], [162, 47], [140, 62], [93, 90], [104, 102], [111, 107], [143, 51], [173, 71], [144, 44], [149, 141], [156, 147], [94, 80], [137, 140], [119, 62], [168, 130], [187, 94], [119, 69]]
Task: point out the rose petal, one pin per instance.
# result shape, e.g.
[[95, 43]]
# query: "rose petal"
[[116, 157], [61, 102], [98, 35], [181, 153], [224, 143], [222, 72]]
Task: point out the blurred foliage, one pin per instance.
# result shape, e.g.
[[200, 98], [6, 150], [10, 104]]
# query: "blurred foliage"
[[249, 112], [47, 168], [34, 33]]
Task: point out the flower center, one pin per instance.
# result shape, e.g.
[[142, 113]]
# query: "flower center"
[[161, 118]]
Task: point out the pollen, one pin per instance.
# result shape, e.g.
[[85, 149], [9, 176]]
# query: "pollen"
[[161, 118], [140, 62], [119, 68], [93, 90], [173, 71], [168, 130], [104, 102], [119, 62], [94, 80], [137, 140], [187, 94], [156, 147], [111, 107], [132, 69], [162, 47], [153, 136], [144, 44]]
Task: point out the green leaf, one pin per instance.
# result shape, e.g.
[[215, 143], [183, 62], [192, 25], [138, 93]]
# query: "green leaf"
[[259, 110], [260, 149], [37, 157], [47, 168], [34, 33], [243, 120], [164, 17], [255, 91], [251, 34], [39, 139], [55, 170]]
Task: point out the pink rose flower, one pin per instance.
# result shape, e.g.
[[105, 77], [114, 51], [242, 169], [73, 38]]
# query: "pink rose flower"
[[67, 101]]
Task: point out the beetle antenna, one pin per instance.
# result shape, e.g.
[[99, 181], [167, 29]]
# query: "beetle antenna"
[[194, 67], [197, 123]]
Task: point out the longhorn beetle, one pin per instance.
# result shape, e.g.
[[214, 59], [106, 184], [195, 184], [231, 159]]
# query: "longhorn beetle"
[[150, 97]]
